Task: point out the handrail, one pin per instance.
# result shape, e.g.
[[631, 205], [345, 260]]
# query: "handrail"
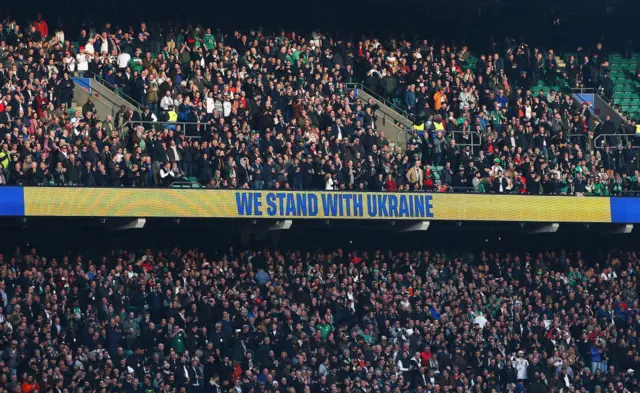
[[98, 95], [394, 107], [166, 124], [115, 90], [609, 103], [588, 90], [621, 136], [185, 184], [471, 144], [403, 132], [584, 90]]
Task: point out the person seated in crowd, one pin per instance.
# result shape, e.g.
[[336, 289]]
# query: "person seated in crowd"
[[380, 321], [231, 96]]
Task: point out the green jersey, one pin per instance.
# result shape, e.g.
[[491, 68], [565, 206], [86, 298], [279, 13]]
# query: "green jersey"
[[178, 343], [209, 41], [325, 329]]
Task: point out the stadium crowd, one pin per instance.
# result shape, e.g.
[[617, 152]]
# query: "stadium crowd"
[[277, 112], [288, 321]]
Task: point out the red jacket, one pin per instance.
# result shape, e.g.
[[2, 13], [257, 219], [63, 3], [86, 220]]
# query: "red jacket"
[[390, 185], [237, 372], [29, 387], [42, 27], [41, 104]]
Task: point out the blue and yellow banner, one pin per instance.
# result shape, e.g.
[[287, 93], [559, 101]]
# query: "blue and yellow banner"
[[12, 201], [181, 203], [175, 203]]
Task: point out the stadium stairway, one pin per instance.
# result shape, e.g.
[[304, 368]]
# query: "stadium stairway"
[[106, 100], [392, 120]]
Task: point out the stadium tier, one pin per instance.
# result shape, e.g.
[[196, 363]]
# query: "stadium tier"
[[358, 319], [192, 210], [161, 106]]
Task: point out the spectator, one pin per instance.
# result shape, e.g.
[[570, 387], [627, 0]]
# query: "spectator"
[[546, 321], [272, 105]]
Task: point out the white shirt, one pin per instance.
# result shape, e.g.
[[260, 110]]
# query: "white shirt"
[[83, 63], [521, 367], [166, 102], [123, 60], [175, 153], [608, 276], [210, 105], [227, 108], [51, 70], [329, 184], [70, 62], [164, 173], [60, 37]]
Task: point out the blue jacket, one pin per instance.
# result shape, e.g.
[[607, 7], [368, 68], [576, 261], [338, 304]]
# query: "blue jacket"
[[410, 99], [109, 78], [502, 101], [596, 355]]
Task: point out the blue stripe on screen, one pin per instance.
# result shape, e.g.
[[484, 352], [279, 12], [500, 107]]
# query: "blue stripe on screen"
[[11, 201]]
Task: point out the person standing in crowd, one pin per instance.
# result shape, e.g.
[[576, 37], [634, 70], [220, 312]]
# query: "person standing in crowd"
[[293, 104]]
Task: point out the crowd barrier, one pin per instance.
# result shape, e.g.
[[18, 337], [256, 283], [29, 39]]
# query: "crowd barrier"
[[186, 203]]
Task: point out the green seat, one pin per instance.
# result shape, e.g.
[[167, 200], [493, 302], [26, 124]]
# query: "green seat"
[[622, 101]]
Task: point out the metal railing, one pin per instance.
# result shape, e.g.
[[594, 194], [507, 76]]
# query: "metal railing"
[[584, 90], [403, 136], [475, 140], [387, 102], [116, 90], [471, 143], [591, 106], [622, 140], [615, 108], [191, 130], [186, 184], [81, 82]]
